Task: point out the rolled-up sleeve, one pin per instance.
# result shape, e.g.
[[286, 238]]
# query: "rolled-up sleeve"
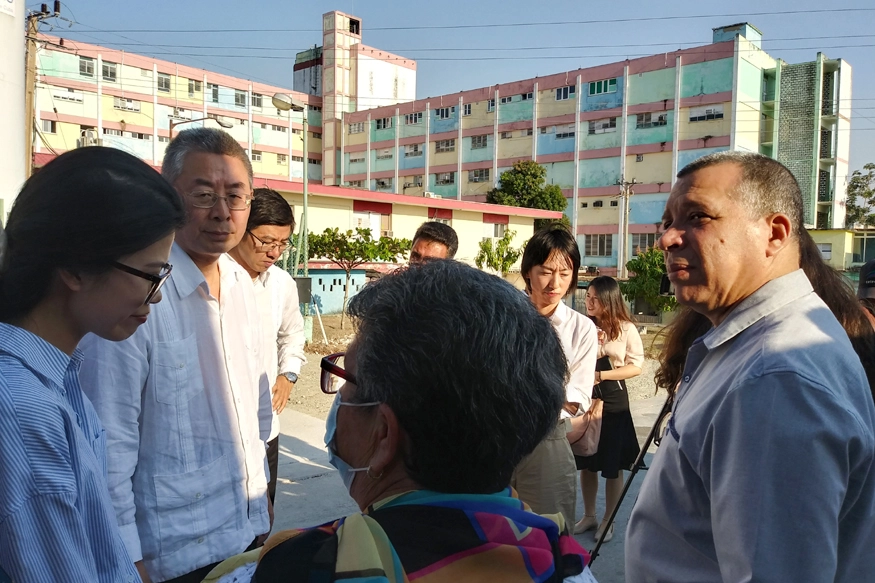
[[290, 337], [581, 366], [113, 375]]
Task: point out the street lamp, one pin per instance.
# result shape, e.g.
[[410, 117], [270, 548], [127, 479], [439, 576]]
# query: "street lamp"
[[221, 122], [285, 102]]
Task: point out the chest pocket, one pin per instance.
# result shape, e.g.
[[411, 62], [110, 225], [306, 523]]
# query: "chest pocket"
[[177, 371]]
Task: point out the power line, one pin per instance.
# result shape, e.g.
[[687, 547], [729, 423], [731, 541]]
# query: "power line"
[[511, 24]]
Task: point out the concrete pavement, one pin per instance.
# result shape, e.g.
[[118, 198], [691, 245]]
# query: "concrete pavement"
[[309, 492]]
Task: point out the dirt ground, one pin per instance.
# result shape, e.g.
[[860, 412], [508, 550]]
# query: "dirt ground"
[[308, 398]]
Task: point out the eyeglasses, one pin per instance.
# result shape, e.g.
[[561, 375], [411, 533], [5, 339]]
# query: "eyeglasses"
[[333, 373], [207, 199], [268, 245], [157, 280]]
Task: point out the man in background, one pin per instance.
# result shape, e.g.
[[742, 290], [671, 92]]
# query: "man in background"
[[433, 240]]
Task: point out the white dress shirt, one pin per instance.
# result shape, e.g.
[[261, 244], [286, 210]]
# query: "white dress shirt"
[[276, 294], [580, 342], [186, 406]]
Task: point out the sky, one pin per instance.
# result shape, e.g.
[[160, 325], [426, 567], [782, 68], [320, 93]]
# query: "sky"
[[466, 44]]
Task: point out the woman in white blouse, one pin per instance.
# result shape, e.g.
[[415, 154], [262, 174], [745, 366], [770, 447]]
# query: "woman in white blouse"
[[620, 344]]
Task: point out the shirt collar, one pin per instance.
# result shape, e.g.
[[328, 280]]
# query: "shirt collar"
[[186, 276], [36, 354], [561, 314], [774, 295]]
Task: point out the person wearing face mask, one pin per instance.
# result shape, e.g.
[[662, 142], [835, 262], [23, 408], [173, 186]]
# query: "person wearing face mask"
[[547, 479], [425, 432], [72, 265]]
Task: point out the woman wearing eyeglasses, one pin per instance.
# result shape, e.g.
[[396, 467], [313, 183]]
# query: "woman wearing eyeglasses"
[[86, 252]]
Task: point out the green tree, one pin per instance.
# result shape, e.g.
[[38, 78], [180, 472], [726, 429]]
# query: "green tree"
[[646, 271], [861, 197], [351, 249], [499, 256], [524, 185]]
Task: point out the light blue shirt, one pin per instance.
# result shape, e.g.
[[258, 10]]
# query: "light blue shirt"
[[766, 472], [187, 409], [56, 518]]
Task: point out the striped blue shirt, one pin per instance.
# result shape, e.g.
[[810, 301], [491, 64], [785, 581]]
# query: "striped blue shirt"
[[57, 522]]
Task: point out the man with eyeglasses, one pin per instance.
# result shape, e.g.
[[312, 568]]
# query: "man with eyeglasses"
[[185, 401], [270, 225]]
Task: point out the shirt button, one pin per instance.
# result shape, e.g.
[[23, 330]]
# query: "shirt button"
[[687, 379], [200, 540], [198, 496]]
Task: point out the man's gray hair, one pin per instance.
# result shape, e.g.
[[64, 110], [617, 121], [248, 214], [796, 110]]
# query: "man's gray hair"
[[766, 185], [475, 375], [203, 140]]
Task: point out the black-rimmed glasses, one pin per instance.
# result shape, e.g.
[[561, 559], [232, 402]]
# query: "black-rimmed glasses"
[[280, 246], [157, 280], [333, 373], [207, 199]]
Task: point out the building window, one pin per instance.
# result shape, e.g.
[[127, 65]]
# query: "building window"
[[706, 113], [256, 156], [445, 112], [583, 205], [109, 71], [543, 130], [604, 86], [650, 120], [297, 159], [445, 178], [314, 108], [193, 87], [566, 131], [479, 142], [140, 136], [356, 158], [257, 100], [445, 146], [385, 154], [314, 161], [494, 230], [49, 126], [599, 245], [384, 123], [239, 98], [506, 99], [603, 126], [527, 96], [413, 150], [413, 118], [615, 203], [163, 139], [490, 105], [466, 109], [481, 175], [642, 242], [384, 184], [563, 93], [356, 183], [526, 132], [506, 135], [316, 135], [357, 128], [214, 92], [112, 132], [164, 82], [125, 104], [282, 159], [825, 250], [639, 157], [86, 67], [597, 204]]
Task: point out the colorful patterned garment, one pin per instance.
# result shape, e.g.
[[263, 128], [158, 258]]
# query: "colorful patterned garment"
[[429, 537]]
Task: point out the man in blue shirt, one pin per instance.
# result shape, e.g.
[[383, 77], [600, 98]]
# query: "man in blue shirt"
[[767, 469]]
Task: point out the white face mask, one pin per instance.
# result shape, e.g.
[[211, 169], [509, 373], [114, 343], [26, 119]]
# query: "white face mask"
[[347, 473]]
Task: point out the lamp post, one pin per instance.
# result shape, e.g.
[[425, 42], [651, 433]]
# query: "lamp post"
[[221, 122], [285, 102]]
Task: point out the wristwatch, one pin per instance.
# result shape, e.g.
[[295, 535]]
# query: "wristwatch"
[[292, 377]]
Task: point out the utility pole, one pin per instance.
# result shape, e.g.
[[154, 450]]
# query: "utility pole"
[[622, 253], [33, 21]]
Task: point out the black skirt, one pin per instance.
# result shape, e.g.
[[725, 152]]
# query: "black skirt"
[[618, 446]]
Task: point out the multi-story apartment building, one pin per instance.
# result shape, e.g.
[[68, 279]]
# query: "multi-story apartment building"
[[638, 120]]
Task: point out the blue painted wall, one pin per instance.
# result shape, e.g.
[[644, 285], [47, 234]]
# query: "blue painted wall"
[[480, 154], [382, 135], [647, 209], [327, 288], [314, 172], [380, 165], [598, 141], [412, 162], [597, 261], [651, 135], [516, 110], [450, 124], [687, 156], [356, 167], [706, 78], [549, 144], [603, 101], [599, 172], [560, 173], [443, 190]]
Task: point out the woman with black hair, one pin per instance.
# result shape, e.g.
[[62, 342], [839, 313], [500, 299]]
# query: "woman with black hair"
[[86, 252]]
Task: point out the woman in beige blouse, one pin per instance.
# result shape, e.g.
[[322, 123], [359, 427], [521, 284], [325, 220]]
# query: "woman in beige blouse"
[[618, 448]]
